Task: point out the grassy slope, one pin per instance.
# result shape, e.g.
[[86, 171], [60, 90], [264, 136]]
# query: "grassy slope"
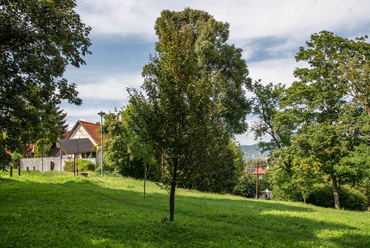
[[53, 210]]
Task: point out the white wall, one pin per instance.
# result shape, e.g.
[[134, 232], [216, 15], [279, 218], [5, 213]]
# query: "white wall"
[[44, 164]]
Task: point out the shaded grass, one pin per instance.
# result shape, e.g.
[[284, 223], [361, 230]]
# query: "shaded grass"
[[58, 210]]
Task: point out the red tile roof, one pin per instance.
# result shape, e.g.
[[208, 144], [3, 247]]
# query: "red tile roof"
[[91, 128], [66, 134], [253, 170]]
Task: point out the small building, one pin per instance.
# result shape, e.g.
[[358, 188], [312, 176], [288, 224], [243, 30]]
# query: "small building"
[[80, 141]]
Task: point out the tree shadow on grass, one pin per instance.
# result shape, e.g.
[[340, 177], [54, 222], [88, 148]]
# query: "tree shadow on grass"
[[85, 214]]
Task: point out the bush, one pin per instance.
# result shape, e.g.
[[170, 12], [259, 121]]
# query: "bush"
[[350, 199], [82, 165], [85, 165], [247, 185], [278, 194]]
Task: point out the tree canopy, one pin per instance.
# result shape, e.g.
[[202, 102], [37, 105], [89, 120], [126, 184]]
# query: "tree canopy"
[[39, 38], [215, 57]]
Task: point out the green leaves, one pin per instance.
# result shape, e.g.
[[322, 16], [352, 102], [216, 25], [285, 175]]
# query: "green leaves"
[[39, 38], [213, 58]]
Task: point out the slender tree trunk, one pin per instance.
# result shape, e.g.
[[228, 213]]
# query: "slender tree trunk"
[[304, 197], [172, 193], [144, 178], [336, 191]]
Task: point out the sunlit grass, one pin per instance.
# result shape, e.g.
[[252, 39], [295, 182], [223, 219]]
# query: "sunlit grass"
[[56, 209]]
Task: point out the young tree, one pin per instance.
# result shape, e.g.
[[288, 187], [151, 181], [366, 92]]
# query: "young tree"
[[122, 153], [115, 146], [138, 149], [186, 95], [39, 38]]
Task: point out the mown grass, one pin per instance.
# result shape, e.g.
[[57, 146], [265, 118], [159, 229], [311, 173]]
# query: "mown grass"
[[59, 210]]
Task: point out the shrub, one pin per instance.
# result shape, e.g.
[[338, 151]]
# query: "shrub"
[[247, 185], [82, 165], [350, 199], [353, 199], [85, 165], [278, 194]]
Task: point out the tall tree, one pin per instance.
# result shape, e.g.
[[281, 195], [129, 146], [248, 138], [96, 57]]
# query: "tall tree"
[[321, 94], [39, 38], [186, 95]]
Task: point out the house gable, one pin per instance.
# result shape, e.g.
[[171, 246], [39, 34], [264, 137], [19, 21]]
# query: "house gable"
[[80, 133], [85, 130]]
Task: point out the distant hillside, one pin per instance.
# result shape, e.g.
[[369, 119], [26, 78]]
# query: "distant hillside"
[[252, 152]]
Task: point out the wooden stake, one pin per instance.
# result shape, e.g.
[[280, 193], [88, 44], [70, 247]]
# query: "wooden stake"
[[257, 181]]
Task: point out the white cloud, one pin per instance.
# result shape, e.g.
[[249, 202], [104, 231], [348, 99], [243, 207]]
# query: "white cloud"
[[110, 88], [275, 70], [75, 113], [248, 19]]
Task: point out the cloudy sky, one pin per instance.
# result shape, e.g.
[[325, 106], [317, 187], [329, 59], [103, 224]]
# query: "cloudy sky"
[[269, 32]]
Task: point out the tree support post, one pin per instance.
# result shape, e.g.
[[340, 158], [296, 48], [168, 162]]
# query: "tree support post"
[[19, 170], [257, 181], [11, 171]]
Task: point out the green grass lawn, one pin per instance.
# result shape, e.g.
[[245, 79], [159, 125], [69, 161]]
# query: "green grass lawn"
[[59, 210]]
